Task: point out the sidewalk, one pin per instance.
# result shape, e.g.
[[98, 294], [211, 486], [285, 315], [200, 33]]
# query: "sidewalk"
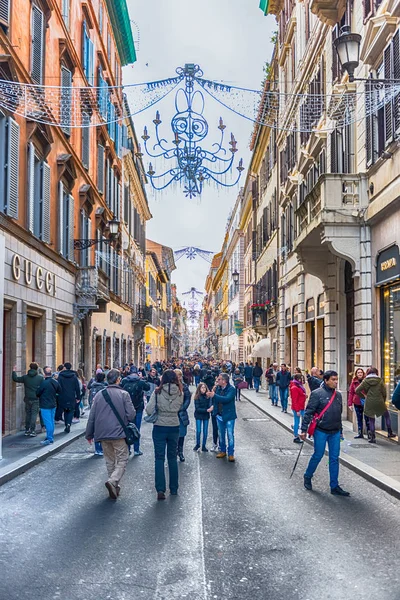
[[378, 463], [20, 453]]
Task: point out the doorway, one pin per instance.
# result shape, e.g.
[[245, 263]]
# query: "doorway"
[[310, 345], [32, 330]]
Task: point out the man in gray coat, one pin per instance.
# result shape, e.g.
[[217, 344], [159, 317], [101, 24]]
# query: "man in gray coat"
[[103, 426]]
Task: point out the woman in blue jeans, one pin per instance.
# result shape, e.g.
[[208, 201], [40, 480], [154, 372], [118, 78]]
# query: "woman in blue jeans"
[[167, 400], [203, 408]]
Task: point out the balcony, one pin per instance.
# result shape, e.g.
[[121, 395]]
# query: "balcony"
[[328, 11], [330, 218], [143, 315], [92, 289]]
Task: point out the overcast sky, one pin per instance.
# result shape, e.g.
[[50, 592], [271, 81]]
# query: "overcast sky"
[[230, 40]]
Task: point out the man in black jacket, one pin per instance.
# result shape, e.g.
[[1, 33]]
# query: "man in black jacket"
[[314, 379], [328, 430], [47, 394], [136, 386], [69, 394]]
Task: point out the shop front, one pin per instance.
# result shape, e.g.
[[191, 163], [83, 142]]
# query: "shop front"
[[111, 343], [388, 283]]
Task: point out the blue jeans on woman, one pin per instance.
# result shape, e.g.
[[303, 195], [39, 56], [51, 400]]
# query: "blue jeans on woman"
[[226, 428], [320, 440], [199, 423], [296, 424], [284, 395], [166, 438], [48, 415], [138, 422], [273, 393], [257, 383]]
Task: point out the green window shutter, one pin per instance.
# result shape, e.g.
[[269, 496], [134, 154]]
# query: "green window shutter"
[[12, 166], [61, 219], [71, 228], [37, 48], [100, 168], [31, 188], [46, 202]]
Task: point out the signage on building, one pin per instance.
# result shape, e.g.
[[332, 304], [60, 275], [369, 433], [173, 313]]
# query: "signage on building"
[[115, 317], [388, 265], [148, 349], [238, 327], [34, 276]]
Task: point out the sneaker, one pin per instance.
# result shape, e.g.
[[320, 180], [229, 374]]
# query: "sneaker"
[[337, 491], [204, 449], [138, 453], [214, 448], [221, 455], [112, 490], [32, 434], [297, 440], [197, 447], [98, 454], [231, 458], [67, 429], [74, 421], [174, 492], [359, 436], [307, 483], [118, 490], [27, 433], [160, 495], [46, 442], [83, 413]]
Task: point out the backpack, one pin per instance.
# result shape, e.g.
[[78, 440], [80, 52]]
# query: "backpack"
[[135, 391]]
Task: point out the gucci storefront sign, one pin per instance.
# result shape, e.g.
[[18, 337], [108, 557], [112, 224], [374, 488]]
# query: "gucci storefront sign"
[[33, 275]]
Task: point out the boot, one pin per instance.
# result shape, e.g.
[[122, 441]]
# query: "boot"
[[372, 438], [359, 436], [390, 433], [180, 449]]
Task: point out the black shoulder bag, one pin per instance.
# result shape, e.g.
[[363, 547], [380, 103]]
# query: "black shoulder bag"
[[132, 433]]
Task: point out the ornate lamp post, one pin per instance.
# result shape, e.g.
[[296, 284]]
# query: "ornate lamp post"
[[113, 227]]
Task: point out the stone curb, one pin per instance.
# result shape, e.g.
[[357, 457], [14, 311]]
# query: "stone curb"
[[24, 464], [380, 480]]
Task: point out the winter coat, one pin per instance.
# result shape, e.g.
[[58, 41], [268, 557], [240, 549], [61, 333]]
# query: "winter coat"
[[47, 393], [396, 396], [257, 371], [153, 383], [135, 388], [70, 389], [31, 381], [169, 403], [237, 378], [331, 421], [283, 379], [271, 376], [209, 380], [298, 395], [353, 398], [102, 423], [313, 382], [248, 372], [95, 387], [224, 402], [375, 392], [200, 408], [183, 413]]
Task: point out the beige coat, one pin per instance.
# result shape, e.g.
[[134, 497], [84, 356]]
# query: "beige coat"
[[169, 403]]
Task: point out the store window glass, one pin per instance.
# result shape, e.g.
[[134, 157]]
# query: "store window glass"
[[391, 337]]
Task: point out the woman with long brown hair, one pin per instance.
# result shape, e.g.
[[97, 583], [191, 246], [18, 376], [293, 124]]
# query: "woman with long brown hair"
[[356, 402], [167, 400], [373, 390]]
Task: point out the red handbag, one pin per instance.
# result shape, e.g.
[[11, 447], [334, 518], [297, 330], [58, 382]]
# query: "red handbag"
[[317, 417], [243, 385]]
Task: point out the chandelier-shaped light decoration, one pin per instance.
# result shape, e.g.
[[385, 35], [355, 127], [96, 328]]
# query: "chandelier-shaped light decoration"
[[193, 293], [191, 164], [191, 252]]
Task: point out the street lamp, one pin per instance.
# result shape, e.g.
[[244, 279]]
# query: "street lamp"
[[235, 277], [113, 227], [159, 301]]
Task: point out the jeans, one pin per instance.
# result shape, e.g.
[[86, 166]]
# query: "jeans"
[[284, 395], [296, 424], [257, 383], [273, 393], [138, 422], [31, 413], [98, 447], [48, 415], [199, 423], [320, 440], [238, 390], [68, 414], [250, 382], [215, 429], [197, 379], [226, 428], [359, 414], [165, 438]]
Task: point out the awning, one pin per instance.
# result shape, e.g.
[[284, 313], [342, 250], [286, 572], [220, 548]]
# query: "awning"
[[262, 349], [264, 6]]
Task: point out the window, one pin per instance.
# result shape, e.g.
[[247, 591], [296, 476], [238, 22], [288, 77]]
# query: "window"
[[66, 223], [109, 45], [342, 150], [66, 100], [38, 195], [87, 55], [375, 123], [86, 231], [103, 94], [391, 70], [65, 11], [101, 17], [5, 14], [100, 168], [37, 45], [85, 155], [9, 166]]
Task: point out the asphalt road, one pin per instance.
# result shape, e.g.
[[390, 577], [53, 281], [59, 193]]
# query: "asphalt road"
[[240, 531]]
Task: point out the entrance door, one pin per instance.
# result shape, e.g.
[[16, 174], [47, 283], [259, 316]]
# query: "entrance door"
[[311, 359], [31, 329], [295, 347], [60, 344], [320, 344]]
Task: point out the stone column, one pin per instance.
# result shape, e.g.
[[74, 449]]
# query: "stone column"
[[301, 323], [363, 304], [282, 323]]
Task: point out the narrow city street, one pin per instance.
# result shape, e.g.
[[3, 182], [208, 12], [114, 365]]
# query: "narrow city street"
[[241, 531]]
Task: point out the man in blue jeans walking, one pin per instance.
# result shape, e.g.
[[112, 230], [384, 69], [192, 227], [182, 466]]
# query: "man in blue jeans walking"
[[47, 394], [225, 411], [328, 431], [283, 378]]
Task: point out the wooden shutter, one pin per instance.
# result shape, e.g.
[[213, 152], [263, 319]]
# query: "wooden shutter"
[[334, 161], [71, 228], [37, 44], [126, 204], [367, 4], [90, 53], [5, 12], [61, 218], [89, 236], [31, 188], [46, 202], [388, 110], [100, 168], [85, 38], [396, 75], [101, 17], [66, 97], [86, 142], [12, 166]]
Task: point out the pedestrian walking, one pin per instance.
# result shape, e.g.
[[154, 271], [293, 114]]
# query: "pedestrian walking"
[[69, 395], [183, 414], [103, 426], [202, 410], [271, 374], [298, 396], [237, 378], [167, 399], [153, 380], [248, 374], [225, 411], [31, 381], [98, 384], [373, 389], [257, 374], [325, 403], [357, 402], [314, 379], [47, 393], [283, 378], [136, 387]]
